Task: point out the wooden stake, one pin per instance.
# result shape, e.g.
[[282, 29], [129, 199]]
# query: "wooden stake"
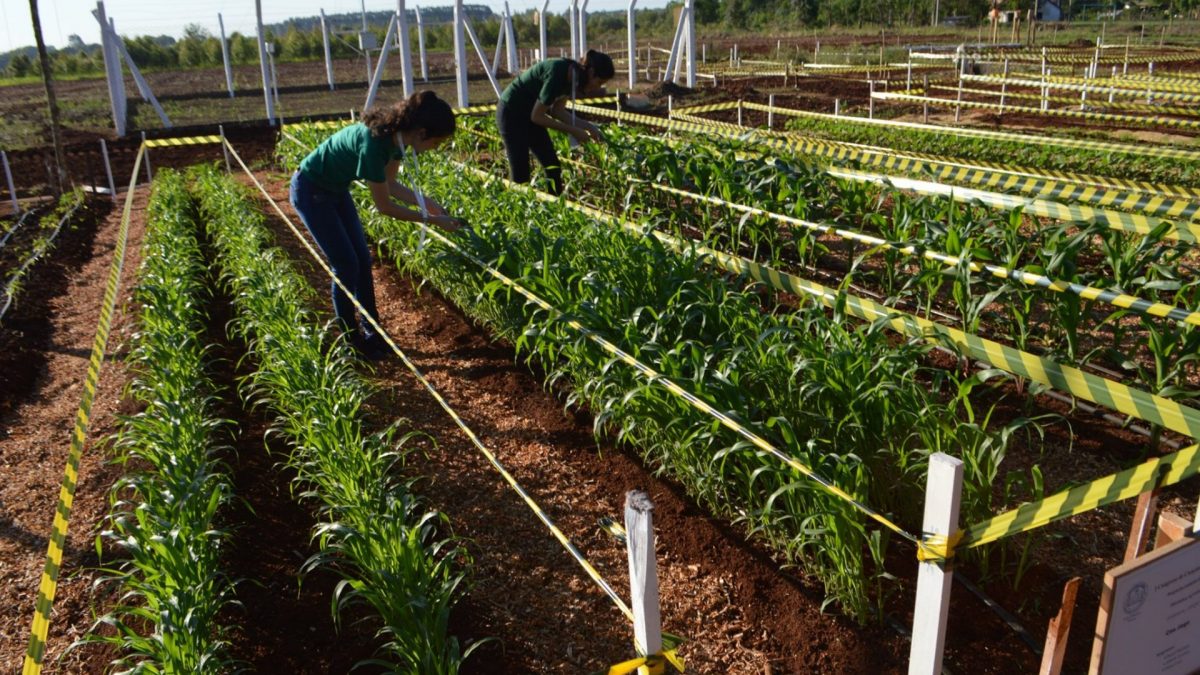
[[1059, 630], [643, 572], [1143, 517], [943, 496]]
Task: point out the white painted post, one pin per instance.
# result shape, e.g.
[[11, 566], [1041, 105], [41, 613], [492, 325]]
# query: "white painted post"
[[328, 51], [479, 52], [943, 496], [362, 39], [958, 103], [908, 75], [817, 52], [1125, 69], [837, 107], [262, 62], [373, 91], [675, 43], [691, 44], [643, 573], [421, 46], [704, 52], [224, 148], [274, 76], [871, 99], [406, 70], [925, 102], [631, 38], [146, 156], [510, 37], [225, 56], [499, 47], [112, 71], [112, 187], [581, 17], [142, 86], [573, 20], [739, 112], [670, 106], [460, 53], [12, 190], [1004, 87], [1112, 90], [543, 53], [771, 111]]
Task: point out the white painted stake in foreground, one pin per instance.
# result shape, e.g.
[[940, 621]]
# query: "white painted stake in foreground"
[[643, 572], [943, 496]]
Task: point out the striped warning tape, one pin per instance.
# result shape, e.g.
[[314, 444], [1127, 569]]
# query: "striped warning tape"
[[470, 110], [1156, 84], [1050, 83], [173, 142], [1098, 102], [1123, 120], [1089, 56], [1145, 150], [1130, 222], [1105, 296], [558, 534], [66, 496], [1115, 395]]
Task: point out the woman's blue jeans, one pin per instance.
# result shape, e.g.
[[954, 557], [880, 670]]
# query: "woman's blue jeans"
[[333, 221]]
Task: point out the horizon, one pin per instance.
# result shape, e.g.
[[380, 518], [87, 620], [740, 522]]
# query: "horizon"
[[64, 18]]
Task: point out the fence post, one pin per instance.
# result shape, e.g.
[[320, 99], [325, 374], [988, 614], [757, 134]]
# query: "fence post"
[[225, 148], [739, 112], [12, 191], [771, 111], [925, 103], [871, 99], [112, 187], [146, 154], [837, 107], [943, 496], [670, 106], [643, 572], [1004, 86]]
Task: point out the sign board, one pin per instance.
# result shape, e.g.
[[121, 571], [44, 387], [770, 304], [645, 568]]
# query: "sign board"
[[1149, 621]]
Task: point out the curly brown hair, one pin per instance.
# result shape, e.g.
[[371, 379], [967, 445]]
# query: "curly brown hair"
[[422, 110]]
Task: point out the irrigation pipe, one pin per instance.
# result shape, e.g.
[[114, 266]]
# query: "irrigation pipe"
[[16, 226], [10, 289]]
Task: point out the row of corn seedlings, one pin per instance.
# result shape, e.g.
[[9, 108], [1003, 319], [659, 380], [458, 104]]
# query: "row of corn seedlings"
[[1077, 160], [17, 259], [165, 510], [1156, 353], [374, 532], [831, 396]]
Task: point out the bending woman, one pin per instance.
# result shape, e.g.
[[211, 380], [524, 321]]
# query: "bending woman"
[[536, 101], [371, 150]]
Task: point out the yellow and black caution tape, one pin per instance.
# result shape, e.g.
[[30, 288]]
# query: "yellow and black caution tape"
[[1130, 222], [1122, 120], [1085, 85], [173, 142], [1145, 149], [558, 534], [1096, 102], [654, 664], [48, 585], [1159, 88]]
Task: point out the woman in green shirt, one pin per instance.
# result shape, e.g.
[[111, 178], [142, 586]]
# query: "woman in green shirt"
[[370, 151], [536, 101]]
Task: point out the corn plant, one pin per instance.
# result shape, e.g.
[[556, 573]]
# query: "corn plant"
[[166, 510], [374, 531]]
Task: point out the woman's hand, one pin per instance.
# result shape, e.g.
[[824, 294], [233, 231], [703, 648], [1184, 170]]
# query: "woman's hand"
[[447, 223], [434, 208]]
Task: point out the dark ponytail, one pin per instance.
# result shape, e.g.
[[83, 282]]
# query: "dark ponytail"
[[601, 64], [422, 110]]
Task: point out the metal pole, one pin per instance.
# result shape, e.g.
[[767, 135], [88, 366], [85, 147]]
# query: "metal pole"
[[691, 44], [146, 156], [362, 40], [542, 53], [112, 187], [771, 111], [112, 70], [514, 59], [262, 62], [460, 53], [572, 14], [405, 50], [12, 191], [225, 56], [379, 66], [632, 39], [328, 51], [581, 17], [225, 148], [421, 46]]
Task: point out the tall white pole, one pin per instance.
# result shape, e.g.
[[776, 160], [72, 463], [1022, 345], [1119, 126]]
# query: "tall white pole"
[[328, 51], [142, 86], [262, 62], [542, 30], [943, 497], [675, 44], [225, 56], [122, 99], [379, 65], [421, 46], [12, 191], [363, 41], [572, 18], [691, 44], [499, 46], [632, 38], [581, 17], [643, 573], [482, 58], [405, 51], [112, 69], [460, 53], [510, 39], [112, 188]]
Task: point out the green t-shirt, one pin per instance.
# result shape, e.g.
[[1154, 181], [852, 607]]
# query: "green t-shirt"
[[350, 154], [547, 81]]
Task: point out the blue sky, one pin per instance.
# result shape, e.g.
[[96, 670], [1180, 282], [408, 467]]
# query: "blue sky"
[[61, 18]]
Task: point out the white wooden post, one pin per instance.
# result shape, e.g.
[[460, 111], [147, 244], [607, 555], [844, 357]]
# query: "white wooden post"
[[925, 102], [112, 187], [142, 86], [581, 16], [908, 75], [460, 54], [675, 43], [499, 47], [871, 99], [1045, 86], [405, 50], [943, 497], [1004, 87], [771, 111], [510, 37], [146, 156], [631, 37], [12, 190], [225, 56], [378, 76], [479, 52], [1125, 69], [421, 46], [225, 148], [670, 106], [543, 54], [572, 19], [112, 71], [691, 44], [643, 572], [328, 50], [837, 107], [739, 112], [262, 62]]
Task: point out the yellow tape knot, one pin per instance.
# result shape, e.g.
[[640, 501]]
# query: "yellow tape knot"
[[938, 547], [654, 664]]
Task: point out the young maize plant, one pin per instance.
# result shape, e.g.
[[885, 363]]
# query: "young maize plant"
[[830, 396], [374, 531], [166, 510]]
